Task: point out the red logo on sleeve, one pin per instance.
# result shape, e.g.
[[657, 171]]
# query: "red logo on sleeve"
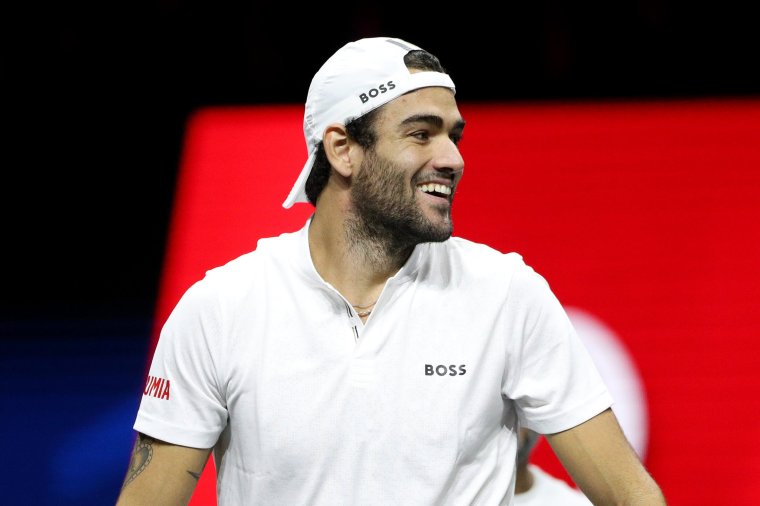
[[157, 387]]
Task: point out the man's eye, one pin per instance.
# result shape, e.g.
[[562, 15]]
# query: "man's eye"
[[420, 135]]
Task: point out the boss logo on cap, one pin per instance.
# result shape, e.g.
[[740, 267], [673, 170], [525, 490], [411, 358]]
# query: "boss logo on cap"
[[373, 92]]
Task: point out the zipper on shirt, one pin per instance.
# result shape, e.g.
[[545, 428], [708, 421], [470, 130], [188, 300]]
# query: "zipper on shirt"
[[353, 319]]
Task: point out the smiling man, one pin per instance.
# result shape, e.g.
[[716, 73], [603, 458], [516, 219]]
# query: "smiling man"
[[373, 358]]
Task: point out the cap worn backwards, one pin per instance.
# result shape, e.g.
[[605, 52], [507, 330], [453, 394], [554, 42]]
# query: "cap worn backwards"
[[359, 77]]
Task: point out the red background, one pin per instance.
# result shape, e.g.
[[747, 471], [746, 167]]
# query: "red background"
[[644, 213]]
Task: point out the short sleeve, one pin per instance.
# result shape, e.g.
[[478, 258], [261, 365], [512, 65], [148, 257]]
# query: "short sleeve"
[[183, 402], [550, 375]]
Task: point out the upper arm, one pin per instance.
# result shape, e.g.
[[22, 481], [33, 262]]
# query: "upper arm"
[[603, 464], [161, 473]]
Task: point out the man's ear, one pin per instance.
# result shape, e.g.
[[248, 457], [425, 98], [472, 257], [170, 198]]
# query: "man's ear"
[[338, 149]]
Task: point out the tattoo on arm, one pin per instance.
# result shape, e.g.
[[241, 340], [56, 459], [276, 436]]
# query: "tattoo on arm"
[[197, 474], [141, 457]]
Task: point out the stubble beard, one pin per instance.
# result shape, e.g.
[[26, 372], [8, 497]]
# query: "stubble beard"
[[387, 213]]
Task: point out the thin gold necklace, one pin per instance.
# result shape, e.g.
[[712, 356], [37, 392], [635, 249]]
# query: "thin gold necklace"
[[367, 309]]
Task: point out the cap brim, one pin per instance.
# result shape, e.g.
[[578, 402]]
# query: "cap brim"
[[298, 192]]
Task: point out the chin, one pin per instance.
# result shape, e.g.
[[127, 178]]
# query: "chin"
[[439, 233]]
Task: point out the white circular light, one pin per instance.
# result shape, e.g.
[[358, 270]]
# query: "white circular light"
[[619, 371]]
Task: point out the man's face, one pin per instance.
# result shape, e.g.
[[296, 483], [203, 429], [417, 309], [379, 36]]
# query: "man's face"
[[405, 185]]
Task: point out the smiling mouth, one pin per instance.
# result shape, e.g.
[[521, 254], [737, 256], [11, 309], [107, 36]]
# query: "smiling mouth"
[[436, 190]]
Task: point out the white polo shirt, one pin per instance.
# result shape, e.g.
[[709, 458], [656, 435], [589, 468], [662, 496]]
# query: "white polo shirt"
[[305, 405]]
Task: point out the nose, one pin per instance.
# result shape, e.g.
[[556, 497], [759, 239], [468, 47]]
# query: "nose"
[[448, 157]]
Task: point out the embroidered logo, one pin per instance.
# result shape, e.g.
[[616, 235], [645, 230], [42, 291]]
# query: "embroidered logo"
[[444, 370], [157, 387]]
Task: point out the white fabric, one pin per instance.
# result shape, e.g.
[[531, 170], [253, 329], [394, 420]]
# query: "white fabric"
[[305, 405], [548, 490]]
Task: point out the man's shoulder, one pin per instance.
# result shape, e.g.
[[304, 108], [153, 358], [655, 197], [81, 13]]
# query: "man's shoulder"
[[478, 254], [267, 253], [469, 246]]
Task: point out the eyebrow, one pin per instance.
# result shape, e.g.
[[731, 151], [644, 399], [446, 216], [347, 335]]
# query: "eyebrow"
[[432, 119]]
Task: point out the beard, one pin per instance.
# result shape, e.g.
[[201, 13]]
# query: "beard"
[[387, 209]]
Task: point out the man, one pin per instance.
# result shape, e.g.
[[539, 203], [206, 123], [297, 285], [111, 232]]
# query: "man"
[[371, 357], [536, 487]]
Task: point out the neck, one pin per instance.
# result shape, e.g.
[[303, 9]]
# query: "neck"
[[372, 246], [352, 259]]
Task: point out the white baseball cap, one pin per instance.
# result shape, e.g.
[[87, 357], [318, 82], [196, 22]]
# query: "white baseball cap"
[[359, 77]]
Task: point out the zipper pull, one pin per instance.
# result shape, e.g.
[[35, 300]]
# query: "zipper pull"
[[354, 321]]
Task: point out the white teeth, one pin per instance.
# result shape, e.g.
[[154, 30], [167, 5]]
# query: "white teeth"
[[437, 188]]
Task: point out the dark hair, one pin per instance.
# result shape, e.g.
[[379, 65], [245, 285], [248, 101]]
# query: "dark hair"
[[362, 129]]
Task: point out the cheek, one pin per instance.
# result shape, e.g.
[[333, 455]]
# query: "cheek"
[[410, 163], [404, 156], [396, 170]]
